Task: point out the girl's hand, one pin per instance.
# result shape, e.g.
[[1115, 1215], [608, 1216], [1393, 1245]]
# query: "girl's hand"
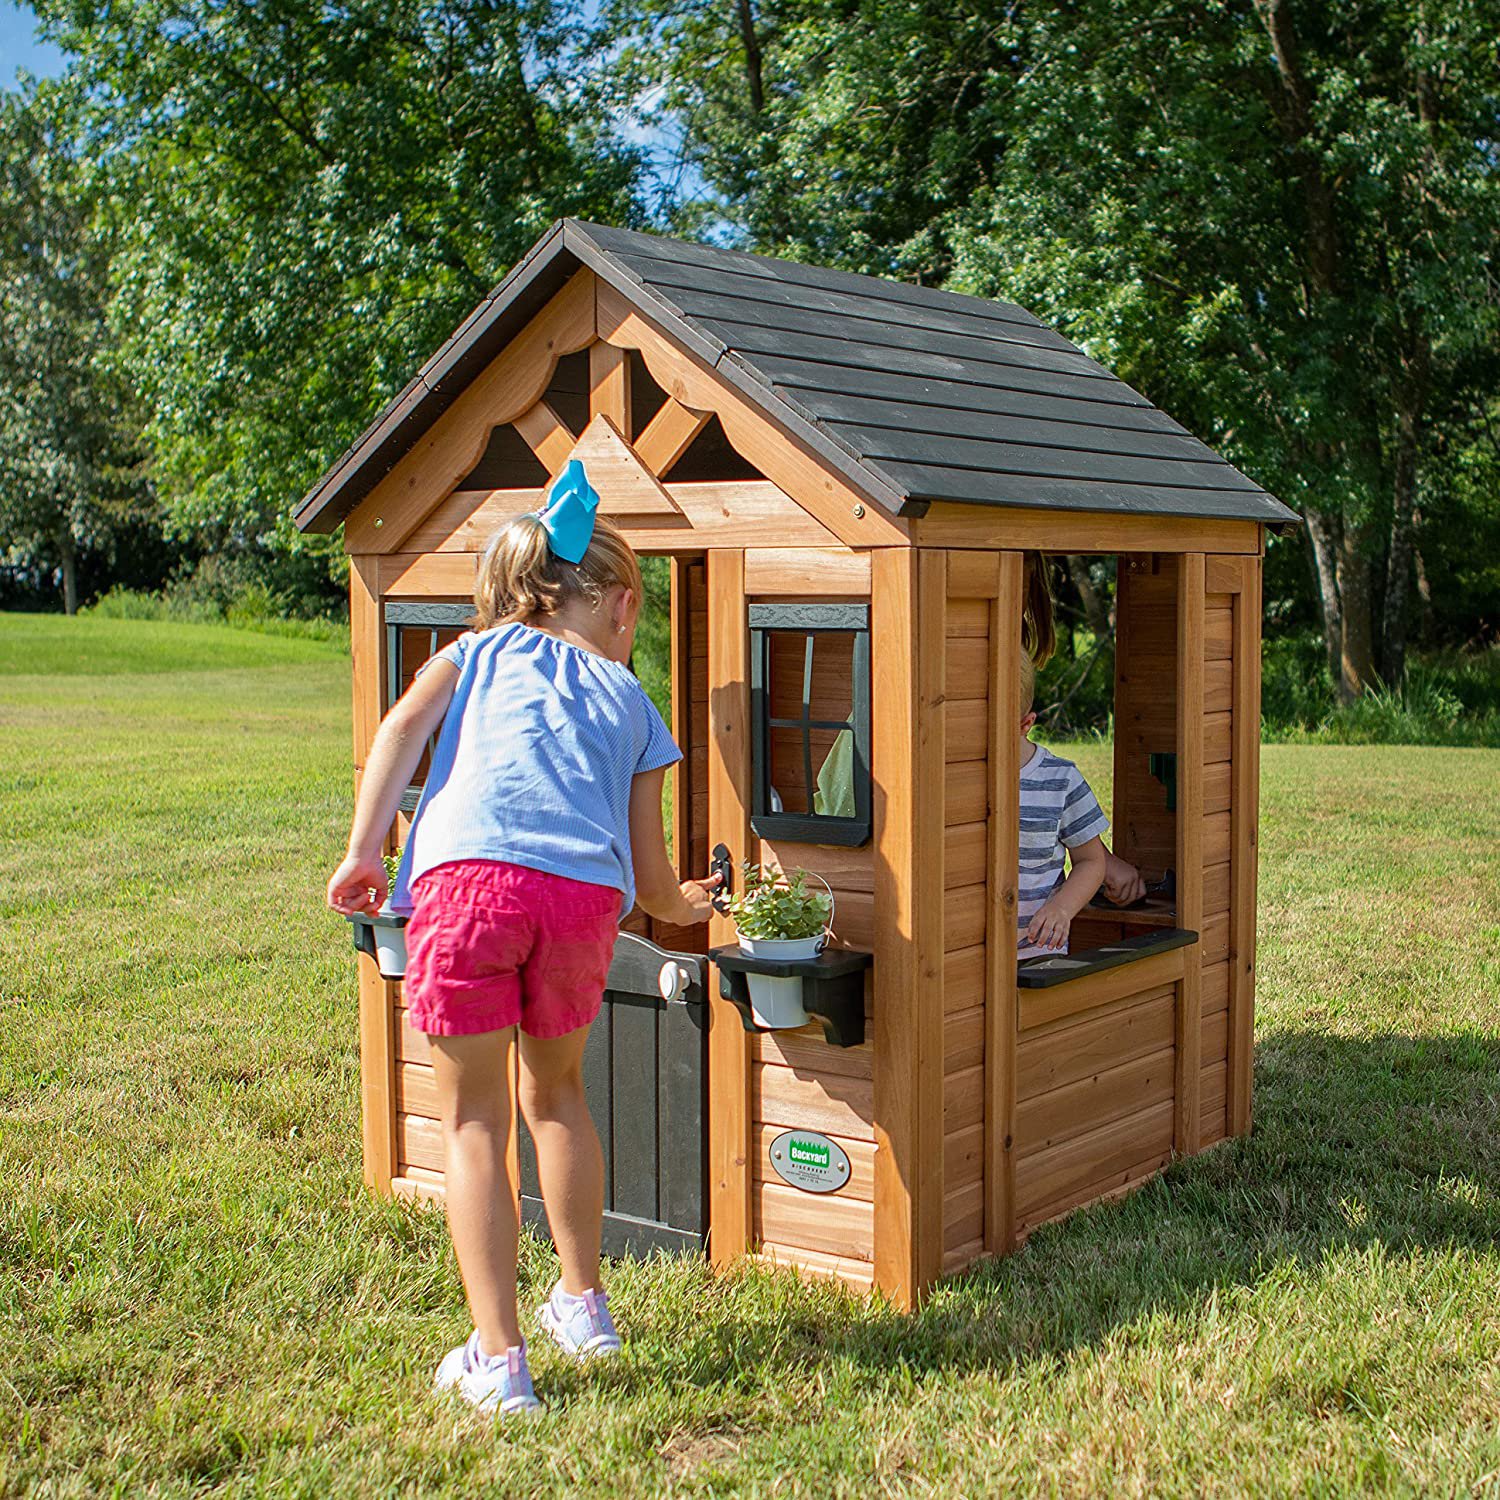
[[349, 892], [697, 898], [1049, 927]]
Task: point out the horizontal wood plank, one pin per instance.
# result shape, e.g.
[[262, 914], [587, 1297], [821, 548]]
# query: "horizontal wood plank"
[[1053, 1056], [1090, 1165], [828, 1222], [963, 1040], [1048, 1119], [832, 1103], [776, 571], [857, 1275], [1129, 981]]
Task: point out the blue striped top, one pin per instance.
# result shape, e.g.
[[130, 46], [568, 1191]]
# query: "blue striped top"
[[534, 762], [1058, 812]]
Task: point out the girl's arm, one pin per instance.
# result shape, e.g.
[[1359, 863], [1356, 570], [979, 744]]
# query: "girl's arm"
[[658, 892], [389, 768], [1049, 927]]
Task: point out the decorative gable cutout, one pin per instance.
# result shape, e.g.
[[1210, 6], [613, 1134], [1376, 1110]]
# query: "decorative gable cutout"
[[626, 487]]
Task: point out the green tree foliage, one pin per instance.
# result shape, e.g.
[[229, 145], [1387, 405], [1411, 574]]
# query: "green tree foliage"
[[307, 199], [1278, 219], [69, 481]]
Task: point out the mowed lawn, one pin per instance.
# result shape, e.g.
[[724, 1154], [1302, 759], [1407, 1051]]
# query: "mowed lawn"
[[198, 1295]]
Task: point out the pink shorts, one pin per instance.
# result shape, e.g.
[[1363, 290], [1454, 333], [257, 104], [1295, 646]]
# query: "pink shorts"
[[492, 945]]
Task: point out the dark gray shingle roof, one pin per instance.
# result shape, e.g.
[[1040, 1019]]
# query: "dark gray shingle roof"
[[915, 395]]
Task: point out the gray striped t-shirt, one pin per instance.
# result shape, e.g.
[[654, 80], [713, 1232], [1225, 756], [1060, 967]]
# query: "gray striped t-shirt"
[[1058, 812]]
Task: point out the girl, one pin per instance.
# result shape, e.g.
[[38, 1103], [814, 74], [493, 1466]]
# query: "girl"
[[539, 824]]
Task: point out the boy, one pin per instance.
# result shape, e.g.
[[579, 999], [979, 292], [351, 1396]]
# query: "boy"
[[1058, 813]]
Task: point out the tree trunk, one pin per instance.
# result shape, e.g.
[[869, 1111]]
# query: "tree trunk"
[[1356, 602], [69, 574], [1095, 610], [1323, 535], [1410, 401]]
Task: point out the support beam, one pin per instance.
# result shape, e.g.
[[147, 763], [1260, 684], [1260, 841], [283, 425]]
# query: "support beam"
[[1001, 1022], [548, 436], [377, 1040], [668, 435], [609, 387], [729, 823], [1244, 819], [908, 595], [1191, 589]]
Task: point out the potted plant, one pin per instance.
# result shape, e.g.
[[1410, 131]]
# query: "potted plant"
[[777, 918], [383, 936]]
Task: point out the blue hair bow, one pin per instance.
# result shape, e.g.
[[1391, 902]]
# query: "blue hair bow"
[[568, 514]]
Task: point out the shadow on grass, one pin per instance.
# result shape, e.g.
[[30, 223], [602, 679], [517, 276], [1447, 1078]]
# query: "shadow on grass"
[[1391, 1141]]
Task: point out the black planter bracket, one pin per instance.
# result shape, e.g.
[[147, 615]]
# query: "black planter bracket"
[[833, 987]]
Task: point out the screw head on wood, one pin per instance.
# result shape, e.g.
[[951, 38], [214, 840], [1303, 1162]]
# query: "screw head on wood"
[[379, 522], [859, 512]]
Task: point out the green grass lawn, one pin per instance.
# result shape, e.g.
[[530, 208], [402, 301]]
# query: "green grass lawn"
[[198, 1295]]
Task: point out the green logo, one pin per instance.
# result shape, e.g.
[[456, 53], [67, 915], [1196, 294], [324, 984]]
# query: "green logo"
[[808, 1153]]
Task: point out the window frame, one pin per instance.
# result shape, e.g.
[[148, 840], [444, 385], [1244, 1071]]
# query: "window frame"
[[398, 615], [810, 620]]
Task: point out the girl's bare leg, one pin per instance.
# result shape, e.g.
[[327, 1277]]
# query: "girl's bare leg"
[[569, 1161], [473, 1083]]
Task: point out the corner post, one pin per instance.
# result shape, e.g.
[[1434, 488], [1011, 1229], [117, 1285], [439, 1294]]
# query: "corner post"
[[1004, 896], [1192, 587], [730, 1218], [1244, 819], [377, 1014], [907, 613]]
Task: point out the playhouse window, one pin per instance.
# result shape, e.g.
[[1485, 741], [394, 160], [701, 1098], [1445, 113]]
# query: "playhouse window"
[[413, 634], [810, 722]]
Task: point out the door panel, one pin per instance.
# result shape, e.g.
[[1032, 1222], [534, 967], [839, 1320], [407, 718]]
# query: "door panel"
[[645, 1070]]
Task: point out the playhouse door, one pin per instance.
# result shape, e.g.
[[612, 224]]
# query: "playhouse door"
[[645, 1071]]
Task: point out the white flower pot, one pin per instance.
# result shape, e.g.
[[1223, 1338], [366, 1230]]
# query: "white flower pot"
[[776, 1003], [383, 937], [390, 948]]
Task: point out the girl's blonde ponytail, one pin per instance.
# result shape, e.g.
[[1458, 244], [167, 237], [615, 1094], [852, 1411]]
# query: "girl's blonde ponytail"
[[521, 579]]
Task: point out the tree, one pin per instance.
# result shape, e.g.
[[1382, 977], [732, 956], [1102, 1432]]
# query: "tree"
[[1279, 220], [307, 199], [69, 475]]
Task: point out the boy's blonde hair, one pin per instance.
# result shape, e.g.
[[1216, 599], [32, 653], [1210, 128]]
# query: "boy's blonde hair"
[[520, 577], [1026, 675]]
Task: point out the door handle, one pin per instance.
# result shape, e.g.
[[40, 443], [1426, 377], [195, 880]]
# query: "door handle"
[[721, 863]]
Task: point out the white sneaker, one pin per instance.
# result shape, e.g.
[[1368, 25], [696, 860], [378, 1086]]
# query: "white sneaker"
[[501, 1383], [581, 1325]]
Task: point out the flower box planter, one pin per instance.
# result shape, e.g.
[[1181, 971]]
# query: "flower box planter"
[[831, 988], [383, 937]]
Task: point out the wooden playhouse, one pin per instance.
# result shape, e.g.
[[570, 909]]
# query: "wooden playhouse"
[[846, 473]]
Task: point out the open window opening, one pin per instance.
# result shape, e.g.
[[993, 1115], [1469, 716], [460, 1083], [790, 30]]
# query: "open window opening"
[[671, 660], [1117, 665]]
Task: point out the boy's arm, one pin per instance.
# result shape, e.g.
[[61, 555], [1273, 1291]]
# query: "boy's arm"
[[1049, 927], [389, 767], [658, 892]]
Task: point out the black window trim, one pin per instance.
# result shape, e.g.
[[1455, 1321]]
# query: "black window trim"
[[400, 615], [811, 620]]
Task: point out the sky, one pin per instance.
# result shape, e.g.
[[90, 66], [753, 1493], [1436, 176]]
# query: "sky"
[[20, 47]]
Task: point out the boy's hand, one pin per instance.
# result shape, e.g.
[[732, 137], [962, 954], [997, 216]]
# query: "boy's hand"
[[349, 892], [1049, 927], [1123, 884], [697, 898]]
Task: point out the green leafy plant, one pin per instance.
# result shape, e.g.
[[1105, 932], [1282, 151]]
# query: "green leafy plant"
[[392, 863], [774, 904]]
